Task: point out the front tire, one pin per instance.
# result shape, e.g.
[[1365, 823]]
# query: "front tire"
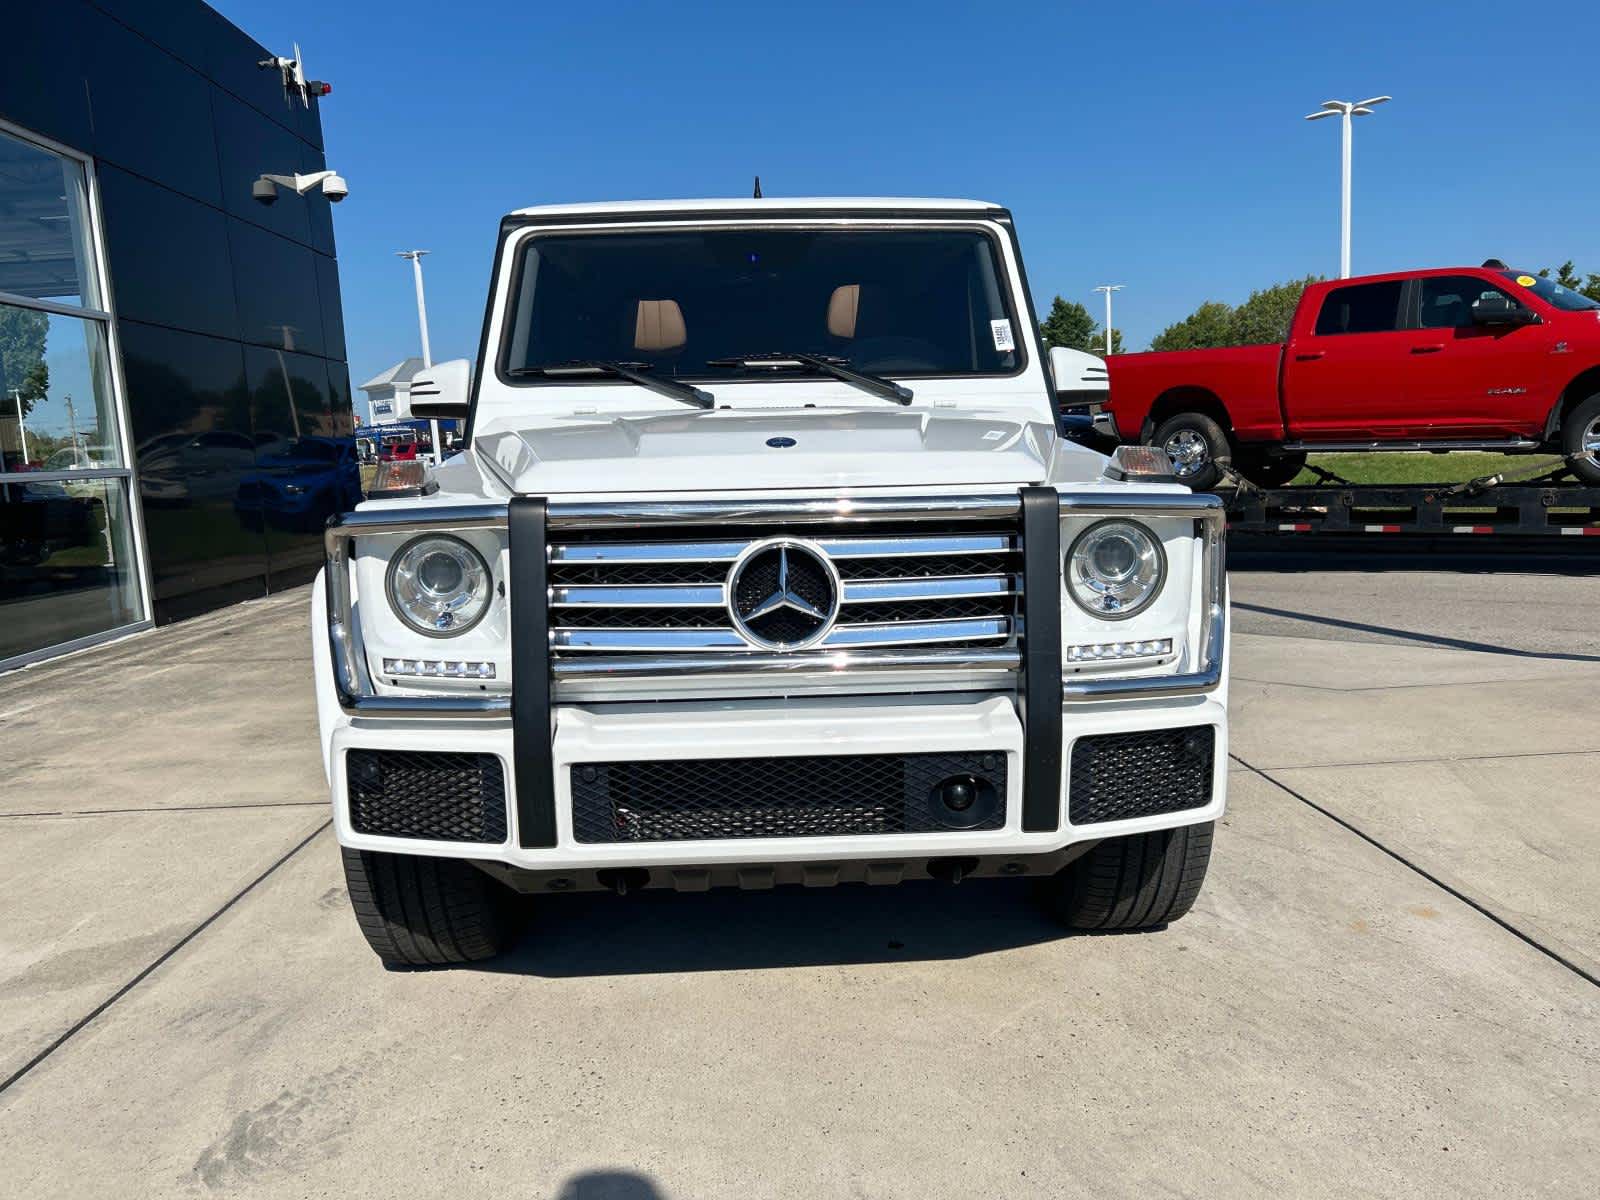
[[1141, 881], [1197, 447], [417, 911], [1580, 440]]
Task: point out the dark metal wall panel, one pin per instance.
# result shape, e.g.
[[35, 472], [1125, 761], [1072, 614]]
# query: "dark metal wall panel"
[[151, 112], [41, 87], [194, 448], [169, 257], [228, 310], [276, 289]]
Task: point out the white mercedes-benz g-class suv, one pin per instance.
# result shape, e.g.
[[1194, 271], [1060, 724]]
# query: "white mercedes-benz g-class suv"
[[764, 564]]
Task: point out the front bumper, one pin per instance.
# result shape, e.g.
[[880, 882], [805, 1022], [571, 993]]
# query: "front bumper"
[[762, 732], [1022, 708]]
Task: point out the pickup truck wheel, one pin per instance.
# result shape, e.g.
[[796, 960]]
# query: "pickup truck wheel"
[[1270, 470], [1196, 445], [1142, 881], [426, 912], [1580, 435]]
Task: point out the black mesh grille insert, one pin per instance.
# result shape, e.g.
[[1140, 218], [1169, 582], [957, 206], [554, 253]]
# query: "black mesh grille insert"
[[782, 797], [1115, 776], [443, 797]]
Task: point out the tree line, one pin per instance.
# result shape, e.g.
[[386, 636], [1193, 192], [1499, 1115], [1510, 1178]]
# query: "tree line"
[[1262, 318]]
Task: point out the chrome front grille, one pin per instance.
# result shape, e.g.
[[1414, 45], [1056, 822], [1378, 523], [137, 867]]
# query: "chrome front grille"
[[614, 593]]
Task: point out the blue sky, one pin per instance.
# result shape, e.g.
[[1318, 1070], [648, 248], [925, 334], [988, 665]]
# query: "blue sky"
[[1156, 145]]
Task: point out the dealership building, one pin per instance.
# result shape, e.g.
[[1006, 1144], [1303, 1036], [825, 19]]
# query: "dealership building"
[[175, 408]]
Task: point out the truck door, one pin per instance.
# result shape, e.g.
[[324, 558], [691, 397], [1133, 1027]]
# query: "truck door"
[[1344, 379], [1471, 380]]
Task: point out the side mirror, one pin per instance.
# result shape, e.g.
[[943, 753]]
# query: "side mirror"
[[441, 392], [1077, 373], [1502, 310]]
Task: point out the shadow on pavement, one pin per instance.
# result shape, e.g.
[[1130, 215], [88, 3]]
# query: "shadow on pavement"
[[610, 1185], [659, 931], [1412, 636], [1307, 553]]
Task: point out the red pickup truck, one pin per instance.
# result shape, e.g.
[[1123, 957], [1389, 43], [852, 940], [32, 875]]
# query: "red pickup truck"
[[1462, 358]]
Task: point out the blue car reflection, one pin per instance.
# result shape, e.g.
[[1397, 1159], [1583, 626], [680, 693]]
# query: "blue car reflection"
[[300, 484]]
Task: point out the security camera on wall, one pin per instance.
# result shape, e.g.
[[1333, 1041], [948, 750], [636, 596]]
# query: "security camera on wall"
[[265, 189]]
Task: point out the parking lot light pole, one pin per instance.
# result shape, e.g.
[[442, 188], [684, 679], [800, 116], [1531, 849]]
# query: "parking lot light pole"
[[1108, 288], [1346, 109], [22, 426], [422, 325]]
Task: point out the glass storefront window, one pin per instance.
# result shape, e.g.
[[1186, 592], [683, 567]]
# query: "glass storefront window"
[[44, 227], [57, 412], [68, 562]]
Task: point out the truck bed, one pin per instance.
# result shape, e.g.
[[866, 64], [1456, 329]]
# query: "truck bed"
[[1144, 387]]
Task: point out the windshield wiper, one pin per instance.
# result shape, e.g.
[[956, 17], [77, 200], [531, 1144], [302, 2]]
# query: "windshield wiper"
[[876, 384], [632, 372]]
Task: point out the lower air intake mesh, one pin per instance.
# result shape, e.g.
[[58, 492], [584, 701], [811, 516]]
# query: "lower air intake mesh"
[[1115, 776], [782, 797], [442, 797]]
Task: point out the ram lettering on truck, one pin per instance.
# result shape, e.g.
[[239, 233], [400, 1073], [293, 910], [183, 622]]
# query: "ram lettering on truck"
[[1460, 358], [765, 564]]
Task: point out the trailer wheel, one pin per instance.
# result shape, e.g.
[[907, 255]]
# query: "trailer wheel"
[[1270, 470], [1580, 435], [1197, 446]]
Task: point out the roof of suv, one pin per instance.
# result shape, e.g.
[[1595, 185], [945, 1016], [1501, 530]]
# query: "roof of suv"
[[775, 204]]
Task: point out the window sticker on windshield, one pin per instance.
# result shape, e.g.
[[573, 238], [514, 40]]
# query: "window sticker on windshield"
[[993, 435], [1526, 280], [1002, 335]]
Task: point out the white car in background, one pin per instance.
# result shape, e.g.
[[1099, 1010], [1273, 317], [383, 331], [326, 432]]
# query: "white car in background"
[[81, 458], [765, 563]]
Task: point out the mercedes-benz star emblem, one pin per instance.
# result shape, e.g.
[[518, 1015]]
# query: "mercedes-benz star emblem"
[[783, 594]]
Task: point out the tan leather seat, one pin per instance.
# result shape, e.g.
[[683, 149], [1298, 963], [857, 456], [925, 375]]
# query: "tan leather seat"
[[659, 326], [843, 307]]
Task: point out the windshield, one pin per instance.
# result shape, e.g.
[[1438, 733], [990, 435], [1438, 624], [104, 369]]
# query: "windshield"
[[1552, 292], [897, 302]]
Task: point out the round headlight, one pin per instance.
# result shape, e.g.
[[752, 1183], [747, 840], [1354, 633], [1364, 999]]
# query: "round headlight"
[[1115, 569], [439, 585]]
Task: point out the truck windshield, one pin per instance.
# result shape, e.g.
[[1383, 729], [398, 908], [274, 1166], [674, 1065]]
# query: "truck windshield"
[[1552, 292], [681, 304]]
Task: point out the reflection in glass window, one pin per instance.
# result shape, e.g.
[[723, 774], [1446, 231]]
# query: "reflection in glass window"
[[55, 393], [44, 227], [68, 570], [1448, 300], [66, 562], [1361, 308]]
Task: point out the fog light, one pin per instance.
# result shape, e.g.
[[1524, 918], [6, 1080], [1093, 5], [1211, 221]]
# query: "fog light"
[[437, 668], [1149, 648], [963, 801], [958, 794]]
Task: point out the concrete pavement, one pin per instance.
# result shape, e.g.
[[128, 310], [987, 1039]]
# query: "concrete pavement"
[[1381, 991]]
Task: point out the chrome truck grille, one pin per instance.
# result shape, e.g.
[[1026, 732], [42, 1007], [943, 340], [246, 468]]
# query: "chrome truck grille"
[[617, 593]]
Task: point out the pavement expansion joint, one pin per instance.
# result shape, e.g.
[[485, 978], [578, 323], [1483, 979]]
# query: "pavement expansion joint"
[[83, 1022], [1409, 864]]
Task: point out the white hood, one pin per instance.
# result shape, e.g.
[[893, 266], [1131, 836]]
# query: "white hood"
[[752, 451]]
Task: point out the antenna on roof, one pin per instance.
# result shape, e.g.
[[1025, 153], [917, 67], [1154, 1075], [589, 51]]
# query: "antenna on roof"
[[1494, 264], [757, 195]]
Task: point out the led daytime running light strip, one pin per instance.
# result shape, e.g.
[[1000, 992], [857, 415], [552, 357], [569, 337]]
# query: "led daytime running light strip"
[[438, 668], [1114, 651]]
